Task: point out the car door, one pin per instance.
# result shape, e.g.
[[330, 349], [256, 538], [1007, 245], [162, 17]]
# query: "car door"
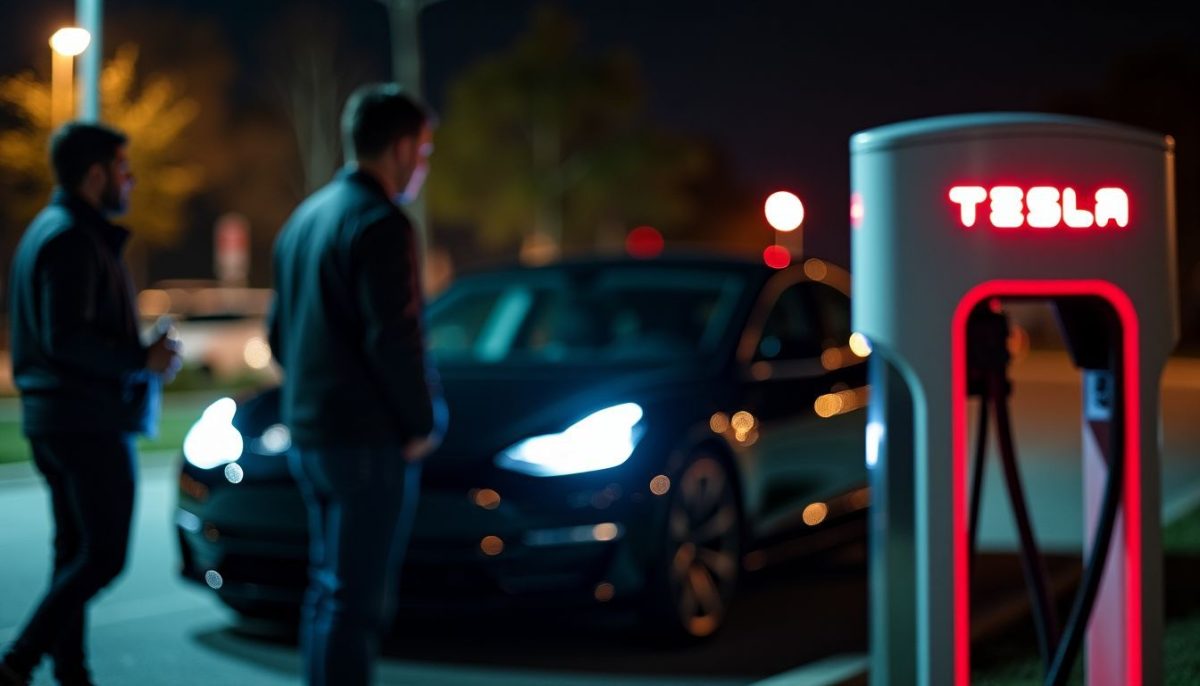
[[803, 389]]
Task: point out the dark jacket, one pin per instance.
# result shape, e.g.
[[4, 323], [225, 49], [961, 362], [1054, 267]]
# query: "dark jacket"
[[345, 324], [77, 358]]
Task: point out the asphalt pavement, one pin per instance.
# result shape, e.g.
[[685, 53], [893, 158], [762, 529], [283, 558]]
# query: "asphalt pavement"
[[153, 628]]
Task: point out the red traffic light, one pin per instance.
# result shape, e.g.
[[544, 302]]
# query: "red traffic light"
[[644, 242], [777, 256]]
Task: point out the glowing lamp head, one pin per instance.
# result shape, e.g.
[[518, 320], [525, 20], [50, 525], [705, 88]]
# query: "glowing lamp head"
[[784, 211], [70, 41]]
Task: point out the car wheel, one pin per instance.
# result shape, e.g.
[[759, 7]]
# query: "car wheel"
[[702, 544]]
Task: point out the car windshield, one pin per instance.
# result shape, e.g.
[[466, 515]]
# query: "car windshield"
[[593, 315]]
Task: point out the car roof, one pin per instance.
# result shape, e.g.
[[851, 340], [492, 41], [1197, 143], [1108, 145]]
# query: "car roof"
[[692, 260]]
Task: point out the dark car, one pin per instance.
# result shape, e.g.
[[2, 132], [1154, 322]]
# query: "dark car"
[[621, 430]]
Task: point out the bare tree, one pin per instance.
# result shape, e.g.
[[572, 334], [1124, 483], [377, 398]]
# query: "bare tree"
[[406, 69], [406, 40], [314, 75]]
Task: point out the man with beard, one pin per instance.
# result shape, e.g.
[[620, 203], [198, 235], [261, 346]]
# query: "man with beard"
[[86, 384]]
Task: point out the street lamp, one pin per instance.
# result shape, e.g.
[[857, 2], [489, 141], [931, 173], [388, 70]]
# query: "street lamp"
[[784, 211], [785, 214], [65, 45]]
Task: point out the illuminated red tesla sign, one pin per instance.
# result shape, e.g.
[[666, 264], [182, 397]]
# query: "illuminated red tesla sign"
[[1040, 207]]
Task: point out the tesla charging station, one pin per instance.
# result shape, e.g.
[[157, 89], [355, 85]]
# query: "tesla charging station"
[[950, 217]]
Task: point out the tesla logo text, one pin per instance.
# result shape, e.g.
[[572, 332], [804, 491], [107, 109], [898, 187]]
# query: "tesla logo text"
[[1040, 207]]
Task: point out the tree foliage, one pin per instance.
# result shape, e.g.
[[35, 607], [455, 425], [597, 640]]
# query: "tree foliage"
[[152, 111], [547, 139]]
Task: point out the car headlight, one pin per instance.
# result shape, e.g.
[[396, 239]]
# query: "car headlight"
[[598, 441], [213, 441]]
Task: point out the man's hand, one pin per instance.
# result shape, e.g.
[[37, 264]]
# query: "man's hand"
[[162, 357], [418, 449]]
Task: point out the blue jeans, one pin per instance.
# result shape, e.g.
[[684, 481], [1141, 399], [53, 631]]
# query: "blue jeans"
[[361, 502], [91, 479]]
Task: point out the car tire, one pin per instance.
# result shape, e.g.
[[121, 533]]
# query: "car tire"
[[700, 535]]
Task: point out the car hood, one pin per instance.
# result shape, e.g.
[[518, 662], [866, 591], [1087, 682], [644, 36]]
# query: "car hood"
[[492, 408]]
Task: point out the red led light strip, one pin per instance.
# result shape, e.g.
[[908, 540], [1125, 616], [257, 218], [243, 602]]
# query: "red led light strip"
[[1131, 514]]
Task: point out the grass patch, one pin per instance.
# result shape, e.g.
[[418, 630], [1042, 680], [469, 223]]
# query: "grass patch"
[[1182, 647], [1181, 661], [1183, 535], [193, 378], [13, 447], [1011, 660], [191, 390], [178, 412]]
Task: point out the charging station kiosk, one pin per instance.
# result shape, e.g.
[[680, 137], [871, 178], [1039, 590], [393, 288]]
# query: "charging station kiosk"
[[952, 215]]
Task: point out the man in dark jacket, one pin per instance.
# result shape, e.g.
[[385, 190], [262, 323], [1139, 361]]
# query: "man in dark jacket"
[[345, 327], [86, 385]]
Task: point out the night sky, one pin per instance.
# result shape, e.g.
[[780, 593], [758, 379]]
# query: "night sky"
[[780, 85]]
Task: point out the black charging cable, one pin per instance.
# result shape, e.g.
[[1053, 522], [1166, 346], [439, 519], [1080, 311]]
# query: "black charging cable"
[[988, 360], [987, 379], [1085, 599]]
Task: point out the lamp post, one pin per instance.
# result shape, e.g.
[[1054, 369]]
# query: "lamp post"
[[65, 45], [89, 15]]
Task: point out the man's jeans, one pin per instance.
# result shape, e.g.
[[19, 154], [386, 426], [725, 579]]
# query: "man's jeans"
[[361, 502], [91, 479]]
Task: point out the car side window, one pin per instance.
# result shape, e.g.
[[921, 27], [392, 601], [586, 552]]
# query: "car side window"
[[834, 309], [791, 330], [455, 332]]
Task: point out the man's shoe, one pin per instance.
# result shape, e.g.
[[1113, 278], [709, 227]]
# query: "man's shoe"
[[10, 676]]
